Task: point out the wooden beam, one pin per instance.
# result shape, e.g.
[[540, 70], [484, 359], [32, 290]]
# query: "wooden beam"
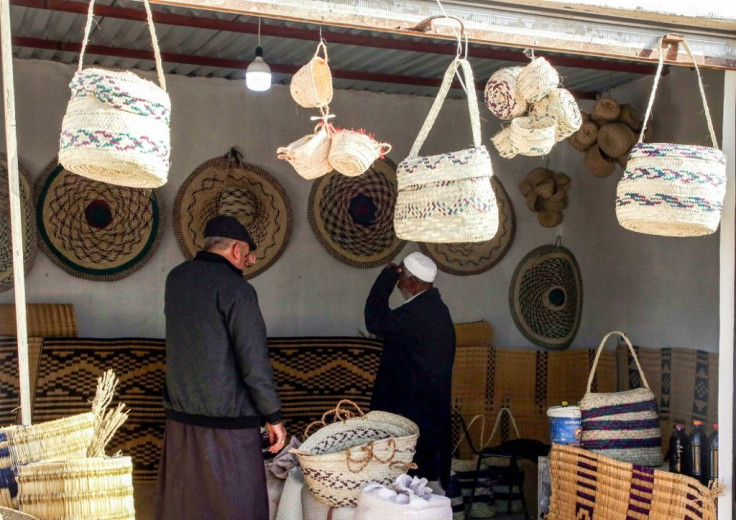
[[569, 31], [423, 46]]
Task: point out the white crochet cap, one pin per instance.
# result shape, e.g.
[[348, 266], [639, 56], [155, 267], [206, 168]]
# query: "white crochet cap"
[[421, 266]]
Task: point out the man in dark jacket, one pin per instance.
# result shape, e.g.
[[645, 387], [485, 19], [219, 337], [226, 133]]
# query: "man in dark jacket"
[[219, 385], [415, 375]]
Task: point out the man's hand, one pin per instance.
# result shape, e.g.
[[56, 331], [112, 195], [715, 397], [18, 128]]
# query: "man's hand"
[[276, 436], [395, 267]]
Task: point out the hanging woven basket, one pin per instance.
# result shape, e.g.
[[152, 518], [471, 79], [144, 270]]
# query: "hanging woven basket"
[[536, 80], [500, 94], [308, 155], [311, 86], [352, 153], [532, 138], [560, 107]]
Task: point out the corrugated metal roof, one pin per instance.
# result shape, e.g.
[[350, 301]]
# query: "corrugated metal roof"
[[37, 32]]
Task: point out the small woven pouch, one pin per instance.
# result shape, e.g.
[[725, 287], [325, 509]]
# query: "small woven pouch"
[[622, 425], [672, 189], [308, 155], [311, 86], [116, 126], [352, 153]]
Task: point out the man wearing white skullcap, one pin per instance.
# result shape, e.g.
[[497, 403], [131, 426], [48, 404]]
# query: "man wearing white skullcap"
[[415, 374]]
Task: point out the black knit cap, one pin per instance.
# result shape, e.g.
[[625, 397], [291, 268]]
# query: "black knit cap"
[[227, 226]]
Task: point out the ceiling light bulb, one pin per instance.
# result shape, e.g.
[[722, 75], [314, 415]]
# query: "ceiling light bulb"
[[258, 73]]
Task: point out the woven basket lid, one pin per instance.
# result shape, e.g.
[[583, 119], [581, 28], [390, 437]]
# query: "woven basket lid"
[[226, 185], [28, 217], [11, 514], [352, 217], [464, 259], [96, 230], [546, 297]]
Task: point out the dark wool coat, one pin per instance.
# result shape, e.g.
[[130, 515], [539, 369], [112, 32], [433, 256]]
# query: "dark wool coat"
[[415, 375]]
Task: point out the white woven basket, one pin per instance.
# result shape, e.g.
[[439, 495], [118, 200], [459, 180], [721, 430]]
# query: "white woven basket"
[[532, 137], [308, 155], [672, 189], [447, 198], [537, 79], [558, 107], [500, 94], [340, 458], [116, 127], [502, 142], [352, 153], [311, 86], [78, 489]]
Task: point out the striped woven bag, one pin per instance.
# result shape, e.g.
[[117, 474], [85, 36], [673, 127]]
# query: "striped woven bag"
[[447, 197], [116, 126], [622, 425], [672, 189]]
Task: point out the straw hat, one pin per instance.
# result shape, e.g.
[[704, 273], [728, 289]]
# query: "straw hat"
[[471, 258], [606, 109], [352, 217], [616, 139], [28, 218], [95, 230], [225, 185], [598, 163], [500, 94], [546, 296]]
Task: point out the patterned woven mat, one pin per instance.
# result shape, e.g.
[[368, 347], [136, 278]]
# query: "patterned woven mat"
[[67, 378], [9, 379], [313, 374]]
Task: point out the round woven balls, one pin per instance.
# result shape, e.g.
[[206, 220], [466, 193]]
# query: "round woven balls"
[[352, 217], [546, 297], [95, 230], [500, 94], [469, 258], [246, 192], [28, 222]]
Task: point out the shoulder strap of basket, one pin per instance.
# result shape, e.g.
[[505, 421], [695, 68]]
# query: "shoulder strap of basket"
[[498, 423], [598, 355], [151, 29], [654, 92], [440, 99]]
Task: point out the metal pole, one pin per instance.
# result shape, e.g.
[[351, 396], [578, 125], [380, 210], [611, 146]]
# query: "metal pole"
[[16, 222]]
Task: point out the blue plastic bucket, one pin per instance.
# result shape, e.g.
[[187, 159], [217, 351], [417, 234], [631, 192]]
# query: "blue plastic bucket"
[[564, 425]]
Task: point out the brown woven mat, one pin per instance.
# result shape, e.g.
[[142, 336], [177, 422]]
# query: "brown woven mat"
[[42, 320], [10, 379]]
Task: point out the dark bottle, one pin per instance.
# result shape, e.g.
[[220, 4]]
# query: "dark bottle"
[[679, 450], [698, 452], [712, 472]]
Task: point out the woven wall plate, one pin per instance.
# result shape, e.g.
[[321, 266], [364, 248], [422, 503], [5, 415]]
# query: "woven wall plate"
[[28, 217], [95, 230], [470, 258], [546, 297], [352, 217], [255, 198]]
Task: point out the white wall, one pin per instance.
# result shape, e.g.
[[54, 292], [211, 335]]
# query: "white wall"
[[662, 291]]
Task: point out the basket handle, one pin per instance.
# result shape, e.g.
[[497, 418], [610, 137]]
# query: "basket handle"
[[383, 148], [685, 45], [498, 423], [370, 455], [339, 413], [466, 432], [321, 45], [151, 29], [440, 99], [598, 355]]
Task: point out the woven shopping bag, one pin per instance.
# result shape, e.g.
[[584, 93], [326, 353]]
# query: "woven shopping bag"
[[672, 189], [116, 127], [622, 425], [586, 485], [447, 198], [340, 458]]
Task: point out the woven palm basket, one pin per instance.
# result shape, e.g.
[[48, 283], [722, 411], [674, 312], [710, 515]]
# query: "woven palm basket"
[[11, 514], [352, 153], [531, 137], [52, 440], [311, 86], [559, 107], [340, 458], [308, 155], [537, 79], [78, 489], [586, 485], [500, 94]]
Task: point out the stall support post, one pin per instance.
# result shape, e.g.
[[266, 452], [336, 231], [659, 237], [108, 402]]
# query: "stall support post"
[[726, 332], [16, 223]]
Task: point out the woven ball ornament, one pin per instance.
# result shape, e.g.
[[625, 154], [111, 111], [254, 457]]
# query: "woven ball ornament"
[[537, 79], [500, 94]]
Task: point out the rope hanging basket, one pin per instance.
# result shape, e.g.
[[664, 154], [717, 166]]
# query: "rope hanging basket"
[[341, 457], [672, 189], [116, 127], [308, 155], [311, 86], [352, 153]]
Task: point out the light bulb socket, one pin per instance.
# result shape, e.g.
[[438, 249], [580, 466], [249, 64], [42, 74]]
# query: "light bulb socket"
[[259, 52]]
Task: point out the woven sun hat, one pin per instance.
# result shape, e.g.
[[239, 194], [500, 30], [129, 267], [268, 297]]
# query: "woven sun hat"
[[11, 514], [469, 258], [500, 94], [537, 79], [96, 230], [352, 217], [308, 155], [226, 185], [352, 153], [28, 219], [546, 297], [311, 86], [532, 138], [560, 107]]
